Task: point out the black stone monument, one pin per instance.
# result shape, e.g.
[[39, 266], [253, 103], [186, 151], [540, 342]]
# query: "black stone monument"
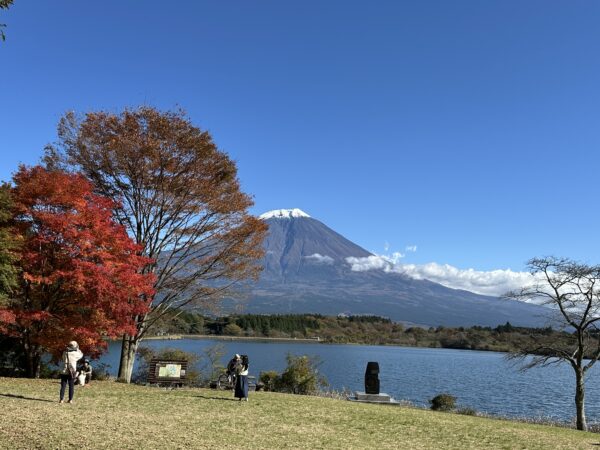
[[372, 394], [372, 378]]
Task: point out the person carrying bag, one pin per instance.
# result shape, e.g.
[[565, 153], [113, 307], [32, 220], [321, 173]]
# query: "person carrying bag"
[[241, 382], [70, 356]]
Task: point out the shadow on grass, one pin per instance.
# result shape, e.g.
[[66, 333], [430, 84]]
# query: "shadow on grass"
[[217, 398], [22, 397]]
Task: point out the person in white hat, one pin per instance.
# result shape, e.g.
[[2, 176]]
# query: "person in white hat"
[[69, 359]]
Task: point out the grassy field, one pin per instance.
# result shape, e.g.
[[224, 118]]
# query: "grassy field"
[[118, 416]]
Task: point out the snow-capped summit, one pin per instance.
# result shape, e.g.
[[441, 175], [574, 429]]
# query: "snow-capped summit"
[[283, 214]]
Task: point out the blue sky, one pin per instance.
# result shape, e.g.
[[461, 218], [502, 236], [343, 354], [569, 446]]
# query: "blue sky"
[[468, 129]]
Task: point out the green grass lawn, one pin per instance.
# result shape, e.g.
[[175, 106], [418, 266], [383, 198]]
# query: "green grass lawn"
[[118, 416]]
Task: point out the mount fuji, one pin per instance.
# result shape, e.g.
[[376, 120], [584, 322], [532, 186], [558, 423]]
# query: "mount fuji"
[[306, 270]]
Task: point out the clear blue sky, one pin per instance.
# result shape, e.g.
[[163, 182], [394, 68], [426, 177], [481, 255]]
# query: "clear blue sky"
[[467, 128]]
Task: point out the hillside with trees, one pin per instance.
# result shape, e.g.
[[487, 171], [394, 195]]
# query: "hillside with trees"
[[372, 330]]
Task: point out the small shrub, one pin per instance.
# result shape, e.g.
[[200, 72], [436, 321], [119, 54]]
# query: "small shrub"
[[467, 411], [594, 428], [443, 402], [48, 370], [100, 372], [12, 357], [268, 380], [210, 363], [335, 394], [407, 404], [301, 376]]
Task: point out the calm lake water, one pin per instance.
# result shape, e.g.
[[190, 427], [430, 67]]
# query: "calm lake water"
[[484, 381]]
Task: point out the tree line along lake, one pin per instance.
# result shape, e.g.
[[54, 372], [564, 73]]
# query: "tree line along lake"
[[484, 381]]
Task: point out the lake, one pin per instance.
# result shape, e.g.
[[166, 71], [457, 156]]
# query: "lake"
[[484, 381]]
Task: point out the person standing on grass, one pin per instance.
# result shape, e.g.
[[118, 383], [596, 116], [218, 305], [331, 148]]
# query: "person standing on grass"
[[70, 356], [241, 382]]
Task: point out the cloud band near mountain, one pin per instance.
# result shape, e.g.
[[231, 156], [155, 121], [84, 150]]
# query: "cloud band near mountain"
[[493, 282], [320, 259]]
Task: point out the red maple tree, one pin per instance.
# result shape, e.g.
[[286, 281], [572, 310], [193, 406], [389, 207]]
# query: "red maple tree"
[[80, 274]]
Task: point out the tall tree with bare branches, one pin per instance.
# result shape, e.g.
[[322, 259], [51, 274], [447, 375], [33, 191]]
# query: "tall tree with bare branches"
[[573, 290], [4, 4], [180, 200]]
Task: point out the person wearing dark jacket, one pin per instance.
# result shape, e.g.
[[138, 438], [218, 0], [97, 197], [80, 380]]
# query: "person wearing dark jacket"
[[232, 367], [241, 382], [84, 375]]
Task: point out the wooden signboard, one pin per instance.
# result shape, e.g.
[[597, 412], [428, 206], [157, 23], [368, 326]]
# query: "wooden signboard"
[[167, 371]]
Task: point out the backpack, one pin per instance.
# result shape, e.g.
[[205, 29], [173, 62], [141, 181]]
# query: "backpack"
[[231, 366]]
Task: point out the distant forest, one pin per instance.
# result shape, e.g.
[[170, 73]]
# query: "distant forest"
[[372, 330]]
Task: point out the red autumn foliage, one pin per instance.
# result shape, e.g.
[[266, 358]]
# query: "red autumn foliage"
[[80, 273], [6, 318]]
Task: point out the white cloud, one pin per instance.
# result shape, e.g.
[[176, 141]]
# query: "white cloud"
[[320, 259], [410, 248], [396, 257], [385, 263], [493, 282], [361, 264], [386, 246]]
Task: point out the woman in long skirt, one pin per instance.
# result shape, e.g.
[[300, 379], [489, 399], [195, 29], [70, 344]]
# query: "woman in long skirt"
[[241, 381]]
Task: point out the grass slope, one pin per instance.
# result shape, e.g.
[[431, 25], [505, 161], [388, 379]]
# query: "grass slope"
[[118, 416]]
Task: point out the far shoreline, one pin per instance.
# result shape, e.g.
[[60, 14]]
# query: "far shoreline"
[[316, 340], [177, 337]]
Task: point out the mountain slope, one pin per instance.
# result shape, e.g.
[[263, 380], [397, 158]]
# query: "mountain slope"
[[305, 271]]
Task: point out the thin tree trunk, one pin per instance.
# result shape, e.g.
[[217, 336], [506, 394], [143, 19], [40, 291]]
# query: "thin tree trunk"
[[29, 368], [129, 348], [123, 359], [38, 366], [133, 346], [580, 401], [33, 364]]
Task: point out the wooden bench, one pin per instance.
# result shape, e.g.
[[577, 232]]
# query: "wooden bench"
[[168, 372]]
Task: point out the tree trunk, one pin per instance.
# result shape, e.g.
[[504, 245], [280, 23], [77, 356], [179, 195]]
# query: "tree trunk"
[[34, 361], [123, 360], [129, 348], [580, 401]]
